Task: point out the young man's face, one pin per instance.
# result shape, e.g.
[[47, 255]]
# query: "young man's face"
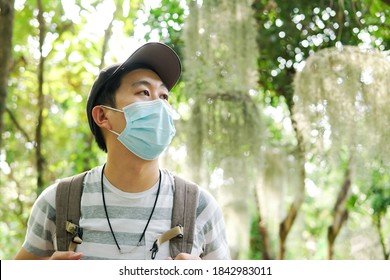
[[139, 85]]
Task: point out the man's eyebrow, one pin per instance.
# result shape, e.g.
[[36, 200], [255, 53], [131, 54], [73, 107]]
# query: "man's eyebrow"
[[146, 83]]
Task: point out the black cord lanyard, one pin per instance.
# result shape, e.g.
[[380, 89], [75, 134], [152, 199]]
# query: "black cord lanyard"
[[108, 219]]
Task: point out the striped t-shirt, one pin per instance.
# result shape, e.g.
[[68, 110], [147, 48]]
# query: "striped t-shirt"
[[128, 214]]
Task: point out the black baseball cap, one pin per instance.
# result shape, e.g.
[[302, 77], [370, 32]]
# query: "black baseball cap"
[[158, 57]]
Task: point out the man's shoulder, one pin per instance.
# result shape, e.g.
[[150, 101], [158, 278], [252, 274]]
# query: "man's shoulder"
[[89, 177], [205, 197], [93, 175]]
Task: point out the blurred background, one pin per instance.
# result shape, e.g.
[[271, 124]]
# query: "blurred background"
[[284, 113]]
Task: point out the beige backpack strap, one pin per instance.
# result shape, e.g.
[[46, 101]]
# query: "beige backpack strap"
[[185, 203], [176, 231], [68, 200]]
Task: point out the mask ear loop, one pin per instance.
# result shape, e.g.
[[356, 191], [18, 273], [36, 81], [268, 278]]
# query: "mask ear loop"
[[113, 109], [116, 133], [110, 108]]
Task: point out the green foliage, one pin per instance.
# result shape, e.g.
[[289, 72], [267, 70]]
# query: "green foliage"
[[72, 53], [379, 193], [168, 19], [289, 31], [256, 245], [236, 97], [372, 200]]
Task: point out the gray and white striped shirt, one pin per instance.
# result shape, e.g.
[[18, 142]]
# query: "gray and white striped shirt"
[[128, 213]]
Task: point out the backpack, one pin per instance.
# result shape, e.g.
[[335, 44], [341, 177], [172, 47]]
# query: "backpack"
[[69, 233]]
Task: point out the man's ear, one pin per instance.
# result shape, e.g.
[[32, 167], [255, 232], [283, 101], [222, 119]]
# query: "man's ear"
[[99, 115]]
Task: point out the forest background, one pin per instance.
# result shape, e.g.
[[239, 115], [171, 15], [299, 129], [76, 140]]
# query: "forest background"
[[283, 113]]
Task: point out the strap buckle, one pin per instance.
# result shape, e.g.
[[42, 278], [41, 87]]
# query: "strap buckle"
[[76, 232], [166, 236]]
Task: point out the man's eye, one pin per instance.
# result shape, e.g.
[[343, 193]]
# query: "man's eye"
[[146, 92], [164, 96]]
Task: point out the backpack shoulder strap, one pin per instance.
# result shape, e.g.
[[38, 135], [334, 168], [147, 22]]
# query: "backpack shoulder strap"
[[68, 200], [185, 203]]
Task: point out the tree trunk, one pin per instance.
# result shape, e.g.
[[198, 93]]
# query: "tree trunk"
[[286, 225], [6, 29], [262, 228], [340, 213], [41, 104]]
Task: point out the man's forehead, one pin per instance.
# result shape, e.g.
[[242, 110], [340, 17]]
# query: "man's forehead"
[[148, 83], [143, 76]]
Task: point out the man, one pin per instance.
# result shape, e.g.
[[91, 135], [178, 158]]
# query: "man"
[[127, 203]]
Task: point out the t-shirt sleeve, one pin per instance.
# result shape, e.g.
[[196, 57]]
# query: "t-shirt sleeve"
[[210, 227], [41, 227]]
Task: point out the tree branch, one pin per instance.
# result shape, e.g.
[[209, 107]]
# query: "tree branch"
[[17, 125]]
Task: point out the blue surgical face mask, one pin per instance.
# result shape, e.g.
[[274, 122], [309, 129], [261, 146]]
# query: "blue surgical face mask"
[[149, 128]]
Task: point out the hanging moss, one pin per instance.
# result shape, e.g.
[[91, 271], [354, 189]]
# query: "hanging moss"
[[224, 129], [342, 99], [220, 70]]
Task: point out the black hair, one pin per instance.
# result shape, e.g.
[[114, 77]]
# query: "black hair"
[[107, 97]]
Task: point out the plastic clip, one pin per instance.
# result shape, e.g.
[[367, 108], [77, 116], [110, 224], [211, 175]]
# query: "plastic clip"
[[78, 235], [75, 231], [180, 235], [154, 250]]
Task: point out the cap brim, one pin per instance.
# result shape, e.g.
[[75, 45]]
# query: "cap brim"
[[160, 58]]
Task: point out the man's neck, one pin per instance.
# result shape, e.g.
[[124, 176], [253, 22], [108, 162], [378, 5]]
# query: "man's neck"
[[130, 173]]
